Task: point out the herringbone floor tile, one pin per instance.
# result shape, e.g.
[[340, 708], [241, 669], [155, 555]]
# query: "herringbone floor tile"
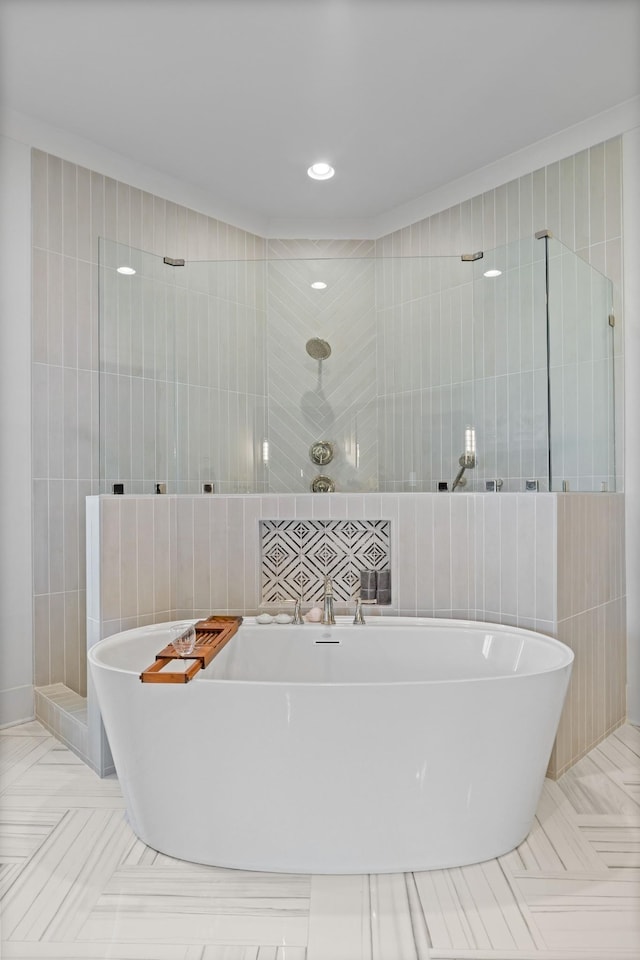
[[76, 884]]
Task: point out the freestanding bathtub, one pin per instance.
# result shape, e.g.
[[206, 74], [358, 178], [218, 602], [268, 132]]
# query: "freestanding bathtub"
[[405, 744]]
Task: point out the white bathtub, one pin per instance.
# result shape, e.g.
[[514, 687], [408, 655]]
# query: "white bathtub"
[[412, 744]]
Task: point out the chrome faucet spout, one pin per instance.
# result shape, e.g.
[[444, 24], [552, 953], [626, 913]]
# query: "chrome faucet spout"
[[327, 603]]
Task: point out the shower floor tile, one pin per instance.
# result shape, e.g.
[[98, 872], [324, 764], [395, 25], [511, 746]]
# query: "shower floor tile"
[[76, 884]]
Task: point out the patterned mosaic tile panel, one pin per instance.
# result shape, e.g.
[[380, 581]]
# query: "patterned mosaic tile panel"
[[296, 556]]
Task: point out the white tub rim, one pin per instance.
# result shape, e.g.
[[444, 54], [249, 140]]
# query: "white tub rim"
[[568, 656]]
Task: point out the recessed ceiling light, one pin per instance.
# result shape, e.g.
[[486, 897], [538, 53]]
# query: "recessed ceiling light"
[[320, 171], [492, 273], [319, 285], [127, 271]]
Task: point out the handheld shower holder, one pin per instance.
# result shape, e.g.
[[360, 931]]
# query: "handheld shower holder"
[[467, 462]]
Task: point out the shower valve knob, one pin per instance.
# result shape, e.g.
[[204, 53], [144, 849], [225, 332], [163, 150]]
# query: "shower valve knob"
[[322, 484], [321, 452]]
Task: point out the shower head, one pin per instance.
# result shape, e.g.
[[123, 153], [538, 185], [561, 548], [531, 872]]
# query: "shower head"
[[318, 349]]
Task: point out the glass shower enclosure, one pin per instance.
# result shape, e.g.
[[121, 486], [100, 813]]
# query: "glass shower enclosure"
[[356, 374]]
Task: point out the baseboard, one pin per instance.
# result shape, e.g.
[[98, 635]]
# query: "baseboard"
[[17, 706]]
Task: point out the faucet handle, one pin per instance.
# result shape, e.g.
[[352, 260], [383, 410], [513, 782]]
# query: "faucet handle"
[[297, 610], [358, 616], [328, 587]]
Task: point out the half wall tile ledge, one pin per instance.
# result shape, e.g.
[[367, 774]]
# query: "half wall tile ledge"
[[444, 562]]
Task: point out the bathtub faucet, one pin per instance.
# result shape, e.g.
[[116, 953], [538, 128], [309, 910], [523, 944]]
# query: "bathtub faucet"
[[327, 603], [358, 617]]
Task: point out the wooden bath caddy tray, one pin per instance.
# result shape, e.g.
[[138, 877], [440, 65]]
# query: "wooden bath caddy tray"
[[212, 635]]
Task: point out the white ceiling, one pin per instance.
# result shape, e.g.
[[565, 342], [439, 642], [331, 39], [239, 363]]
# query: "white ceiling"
[[237, 97]]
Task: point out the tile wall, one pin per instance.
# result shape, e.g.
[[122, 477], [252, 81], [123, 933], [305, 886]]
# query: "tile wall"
[[582, 375], [496, 557], [591, 619], [452, 555], [196, 379], [335, 399], [64, 713], [579, 199], [462, 350], [183, 353], [71, 208]]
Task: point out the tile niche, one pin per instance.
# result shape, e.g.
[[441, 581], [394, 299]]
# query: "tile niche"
[[297, 555]]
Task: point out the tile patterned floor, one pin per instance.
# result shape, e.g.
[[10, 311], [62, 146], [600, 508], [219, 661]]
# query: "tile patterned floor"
[[77, 885]]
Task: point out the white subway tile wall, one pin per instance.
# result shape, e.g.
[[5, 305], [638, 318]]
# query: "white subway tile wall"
[[548, 562]]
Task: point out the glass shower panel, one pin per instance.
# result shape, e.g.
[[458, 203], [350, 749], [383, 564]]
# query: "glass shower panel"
[[359, 373], [581, 374], [137, 370], [321, 374], [221, 368], [510, 361], [425, 368], [182, 374]]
